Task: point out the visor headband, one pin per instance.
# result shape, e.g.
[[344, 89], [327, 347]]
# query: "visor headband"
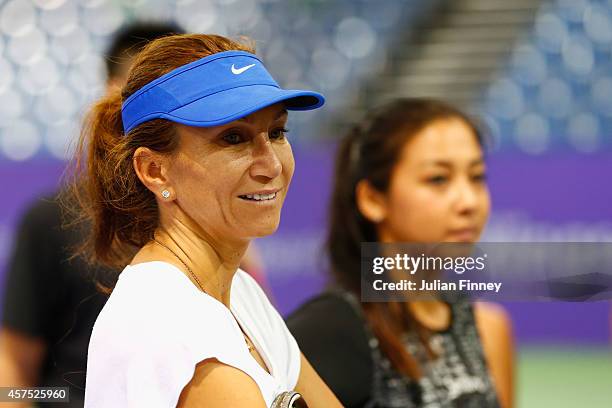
[[191, 82]]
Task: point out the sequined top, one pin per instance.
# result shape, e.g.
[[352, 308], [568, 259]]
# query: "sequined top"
[[458, 378]]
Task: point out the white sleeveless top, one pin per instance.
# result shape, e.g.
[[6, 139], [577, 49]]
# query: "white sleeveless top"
[[156, 326]]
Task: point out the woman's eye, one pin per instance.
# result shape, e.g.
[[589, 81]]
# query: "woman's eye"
[[278, 134], [233, 138], [437, 180], [481, 177]]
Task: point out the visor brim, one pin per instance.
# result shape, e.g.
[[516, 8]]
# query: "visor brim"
[[232, 104]]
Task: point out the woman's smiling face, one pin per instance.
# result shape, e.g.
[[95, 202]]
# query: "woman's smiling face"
[[232, 179]]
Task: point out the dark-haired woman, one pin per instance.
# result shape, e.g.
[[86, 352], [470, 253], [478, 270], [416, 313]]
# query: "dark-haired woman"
[[184, 167], [413, 171]]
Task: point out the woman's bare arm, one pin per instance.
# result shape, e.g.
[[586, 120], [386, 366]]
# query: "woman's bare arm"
[[217, 385], [21, 357], [495, 329], [316, 393]]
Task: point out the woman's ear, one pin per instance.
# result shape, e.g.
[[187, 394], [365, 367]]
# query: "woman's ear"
[[152, 170], [371, 203]]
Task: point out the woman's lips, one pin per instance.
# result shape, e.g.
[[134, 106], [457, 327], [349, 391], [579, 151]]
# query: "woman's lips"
[[463, 235], [261, 196]]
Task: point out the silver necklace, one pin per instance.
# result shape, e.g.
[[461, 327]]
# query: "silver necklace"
[[193, 275], [195, 278]]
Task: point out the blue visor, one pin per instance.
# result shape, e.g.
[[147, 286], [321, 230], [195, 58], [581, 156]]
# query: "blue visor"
[[212, 91]]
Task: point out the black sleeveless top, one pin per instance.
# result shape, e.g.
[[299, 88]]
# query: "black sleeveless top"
[[335, 337]]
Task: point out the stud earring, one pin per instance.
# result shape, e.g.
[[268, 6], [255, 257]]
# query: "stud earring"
[[165, 193], [377, 218]]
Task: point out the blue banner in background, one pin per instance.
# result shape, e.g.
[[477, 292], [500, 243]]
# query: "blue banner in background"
[[535, 198], [552, 198]]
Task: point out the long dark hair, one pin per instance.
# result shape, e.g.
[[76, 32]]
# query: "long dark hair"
[[370, 152]]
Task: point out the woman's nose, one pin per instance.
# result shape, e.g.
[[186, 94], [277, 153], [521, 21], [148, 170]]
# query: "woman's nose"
[[467, 197], [266, 162]]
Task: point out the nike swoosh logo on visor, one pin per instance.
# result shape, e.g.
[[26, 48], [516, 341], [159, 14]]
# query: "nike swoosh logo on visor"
[[239, 71]]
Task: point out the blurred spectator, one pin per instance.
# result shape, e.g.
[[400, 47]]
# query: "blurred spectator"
[[413, 172], [51, 301]]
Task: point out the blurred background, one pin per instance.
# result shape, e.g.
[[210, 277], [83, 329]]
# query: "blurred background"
[[538, 75]]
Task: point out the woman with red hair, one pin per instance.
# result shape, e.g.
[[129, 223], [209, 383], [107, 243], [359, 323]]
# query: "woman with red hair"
[[185, 165]]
